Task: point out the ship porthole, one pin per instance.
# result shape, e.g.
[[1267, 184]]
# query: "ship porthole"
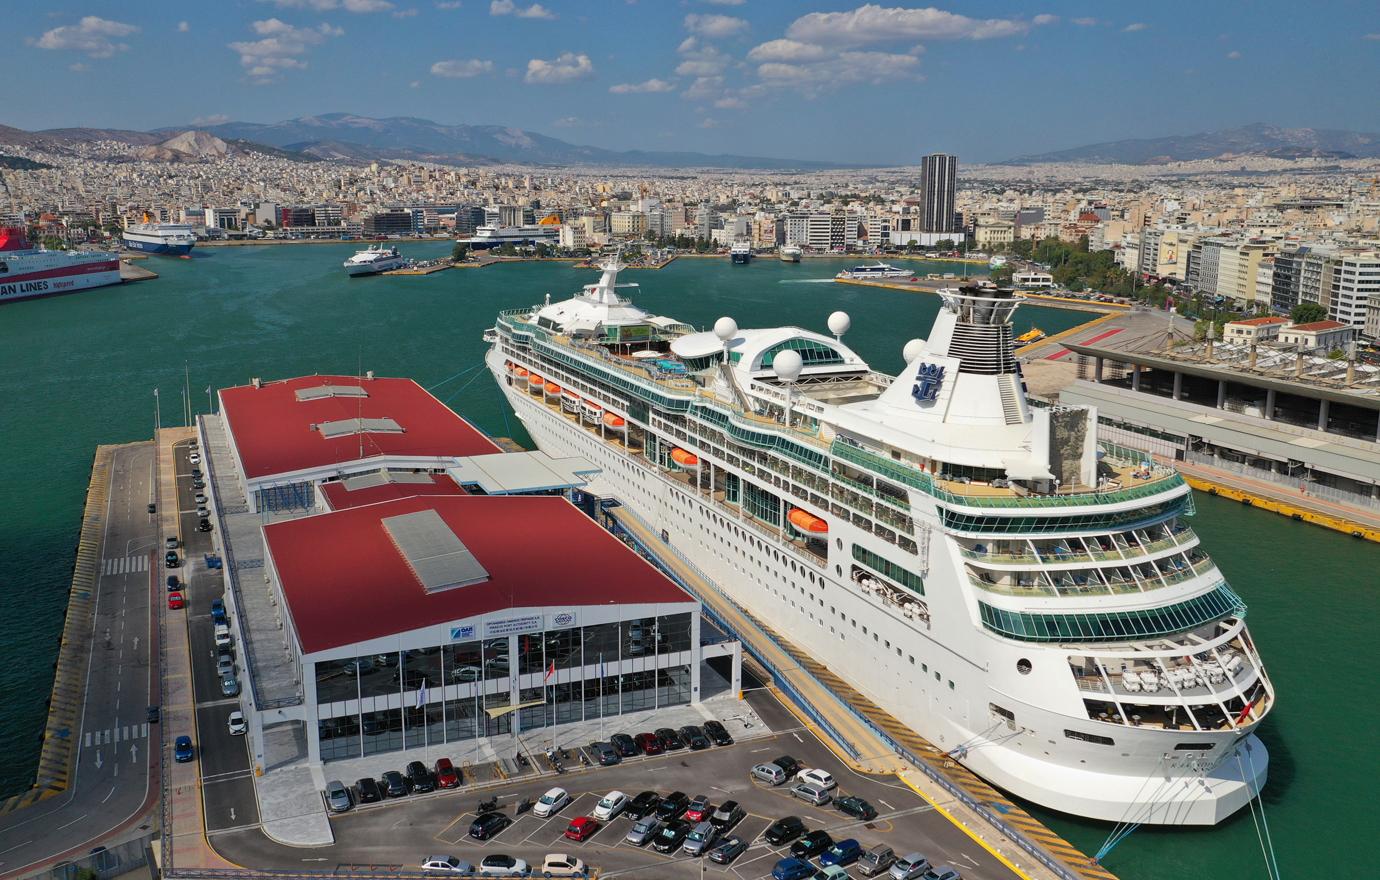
[[1023, 666]]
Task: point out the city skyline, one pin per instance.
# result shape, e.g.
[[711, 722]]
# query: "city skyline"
[[833, 82]]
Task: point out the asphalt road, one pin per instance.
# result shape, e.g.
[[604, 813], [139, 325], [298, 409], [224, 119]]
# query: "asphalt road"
[[111, 781], [402, 832]]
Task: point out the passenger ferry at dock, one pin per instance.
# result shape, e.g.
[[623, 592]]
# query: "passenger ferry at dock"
[[1028, 598], [27, 271], [876, 272], [169, 239], [373, 260], [740, 252]]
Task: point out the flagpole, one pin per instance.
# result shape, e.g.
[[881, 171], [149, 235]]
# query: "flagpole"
[[157, 415], [601, 696]]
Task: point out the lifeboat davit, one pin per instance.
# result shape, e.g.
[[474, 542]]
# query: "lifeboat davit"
[[683, 458], [552, 388], [614, 421], [520, 372], [807, 522]]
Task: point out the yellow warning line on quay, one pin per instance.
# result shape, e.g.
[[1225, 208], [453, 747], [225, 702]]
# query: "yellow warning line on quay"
[[1276, 505]]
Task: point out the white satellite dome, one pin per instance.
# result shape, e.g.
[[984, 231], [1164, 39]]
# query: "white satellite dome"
[[839, 322], [912, 350], [787, 365], [725, 328]]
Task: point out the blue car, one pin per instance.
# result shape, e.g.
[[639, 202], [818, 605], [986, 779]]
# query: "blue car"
[[792, 869], [217, 611], [845, 852], [182, 749]]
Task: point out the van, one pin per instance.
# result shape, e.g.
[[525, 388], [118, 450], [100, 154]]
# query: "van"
[[771, 774], [812, 793]]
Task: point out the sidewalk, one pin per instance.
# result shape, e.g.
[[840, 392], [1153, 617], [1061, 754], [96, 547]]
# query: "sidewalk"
[[1282, 499]]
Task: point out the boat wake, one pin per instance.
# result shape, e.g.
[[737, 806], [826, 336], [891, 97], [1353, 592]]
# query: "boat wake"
[[805, 281]]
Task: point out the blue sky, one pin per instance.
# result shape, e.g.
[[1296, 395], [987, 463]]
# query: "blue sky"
[[838, 81]]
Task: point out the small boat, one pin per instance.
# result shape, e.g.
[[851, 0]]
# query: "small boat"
[[535, 381], [807, 522], [875, 271], [593, 408], [552, 388], [790, 253], [520, 372], [613, 421], [1034, 334], [684, 459]]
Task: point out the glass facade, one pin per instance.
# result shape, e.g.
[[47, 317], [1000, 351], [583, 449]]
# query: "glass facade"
[[1113, 626], [889, 569], [812, 353], [1138, 517]]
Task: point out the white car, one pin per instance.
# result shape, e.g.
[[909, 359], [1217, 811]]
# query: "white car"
[[551, 803], [236, 723], [500, 865], [562, 865], [194, 458], [817, 777], [613, 803], [223, 639], [447, 865]]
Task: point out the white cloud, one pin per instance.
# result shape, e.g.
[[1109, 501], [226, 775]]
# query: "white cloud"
[[508, 7], [567, 67], [93, 35], [729, 102], [1234, 55], [415, 84], [461, 68], [845, 68], [183, 27], [788, 51], [78, 67], [1135, 26], [213, 119], [725, 2], [715, 26], [1371, 37], [879, 24], [332, 5], [566, 122], [1085, 21], [405, 13], [705, 88], [709, 122], [701, 60], [280, 48], [1044, 18], [649, 86], [448, 4]]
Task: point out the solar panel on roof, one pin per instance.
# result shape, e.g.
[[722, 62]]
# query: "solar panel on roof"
[[437, 556], [343, 427], [317, 392]]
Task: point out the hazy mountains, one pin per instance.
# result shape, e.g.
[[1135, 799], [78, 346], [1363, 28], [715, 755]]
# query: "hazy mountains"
[[1250, 140]]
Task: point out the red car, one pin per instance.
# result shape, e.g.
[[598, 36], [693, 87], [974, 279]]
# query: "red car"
[[583, 828], [648, 743], [176, 601], [699, 810], [446, 774]]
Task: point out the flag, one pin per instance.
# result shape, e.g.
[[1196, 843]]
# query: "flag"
[[421, 695], [1245, 713], [549, 672]]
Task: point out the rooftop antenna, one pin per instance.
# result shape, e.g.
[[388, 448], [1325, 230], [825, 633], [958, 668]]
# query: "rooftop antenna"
[[725, 328], [839, 322], [788, 365]]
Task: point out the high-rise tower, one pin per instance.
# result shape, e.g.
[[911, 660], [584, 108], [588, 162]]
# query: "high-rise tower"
[[937, 173]]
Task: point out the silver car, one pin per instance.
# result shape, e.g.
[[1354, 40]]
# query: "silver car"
[[910, 867], [643, 831], [771, 774], [338, 797], [943, 872], [810, 793], [700, 839]]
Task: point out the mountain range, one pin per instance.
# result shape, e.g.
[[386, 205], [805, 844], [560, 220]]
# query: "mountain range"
[[1233, 143]]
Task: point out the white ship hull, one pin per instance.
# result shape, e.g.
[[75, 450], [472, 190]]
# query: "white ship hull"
[[11, 291], [355, 270], [939, 680]]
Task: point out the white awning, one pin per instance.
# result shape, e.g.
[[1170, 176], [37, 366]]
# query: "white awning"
[[1026, 469]]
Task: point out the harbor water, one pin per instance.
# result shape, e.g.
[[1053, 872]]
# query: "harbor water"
[[81, 370]]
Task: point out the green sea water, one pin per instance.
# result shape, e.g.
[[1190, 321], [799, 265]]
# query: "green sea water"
[[80, 370]]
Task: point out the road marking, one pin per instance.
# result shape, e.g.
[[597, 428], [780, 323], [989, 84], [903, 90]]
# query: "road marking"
[[885, 804], [73, 822], [108, 794], [99, 762], [797, 737], [87, 742], [16, 846], [117, 565]]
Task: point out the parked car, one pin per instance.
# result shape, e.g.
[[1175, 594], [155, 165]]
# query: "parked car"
[[198, 484], [831, 872], [876, 860], [218, 611], [551, 803], [771, 774], [843, 852], [610, 806], [151, 715], [694, 738], [486, 825], [672, 805], [727, 815], [446, 865], [176, 600], [812, 794], [700, 839], [811, 844], [643, 805], [623, 745], [792, 869], [943, 872], [562, 865], [236, 723], [852, 805], [368, 791], [173, 583], [725, 851], [225, 664], [153, 508], [182, 749], [203, 512], [699, 809], [170, 542], [582, 828], [669, 739], [204, 525], [817, 777], [670, 838], [604, 753], [502, 865], [419, 778], [170, 559], [338, 797], [229, 686], [790, 766], [643, 830], [718, 733], [447, 776], [648, 743], [200, 499], [394, 784], [784, 830], [222, 635], [194, 458], [909, 867]]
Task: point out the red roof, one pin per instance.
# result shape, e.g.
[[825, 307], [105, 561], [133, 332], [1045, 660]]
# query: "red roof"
[[345, 580], [340, 497], [1260, 322], [273, 432], [1318, 325]]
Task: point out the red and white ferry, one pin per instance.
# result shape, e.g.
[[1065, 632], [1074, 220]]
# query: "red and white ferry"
[[27, 271]]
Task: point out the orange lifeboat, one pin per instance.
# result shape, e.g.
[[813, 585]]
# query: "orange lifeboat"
[[614, 421], [535, 381], [807, 522], [552, 388], [520, 372], [683, 458]]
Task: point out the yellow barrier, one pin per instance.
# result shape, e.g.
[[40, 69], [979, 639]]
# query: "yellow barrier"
[[1275, 505]]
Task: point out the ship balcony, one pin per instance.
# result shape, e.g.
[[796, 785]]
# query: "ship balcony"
[[1109, 580], [1127, 545]]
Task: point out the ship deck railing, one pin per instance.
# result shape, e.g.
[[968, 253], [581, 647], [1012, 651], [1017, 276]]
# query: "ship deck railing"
[[1064, 584]]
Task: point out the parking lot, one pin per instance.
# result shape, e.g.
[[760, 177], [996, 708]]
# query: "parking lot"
[[404, 831]]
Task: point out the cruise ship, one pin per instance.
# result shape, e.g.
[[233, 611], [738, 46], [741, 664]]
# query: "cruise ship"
[[789, 253], [1030, 599], [875, 271], [740, 252], [172, 239], [373, 260], [27, 271], [497, 236]]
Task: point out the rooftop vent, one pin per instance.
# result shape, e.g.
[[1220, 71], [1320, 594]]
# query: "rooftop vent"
[[345, 427], [438, 558], [319, 392]]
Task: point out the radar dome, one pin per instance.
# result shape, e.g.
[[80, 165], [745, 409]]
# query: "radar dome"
[[725, 328], [787, 365], [839, 322], [912, 350]]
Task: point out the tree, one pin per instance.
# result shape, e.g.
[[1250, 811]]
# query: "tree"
[[459, 253], [1308, 312], [1001, 276]]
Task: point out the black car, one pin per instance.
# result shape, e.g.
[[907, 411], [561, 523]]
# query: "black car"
[[694, 738], [643, 805], [856, 807], [726, 851], [784, 830], [718, 733], [812, 844], [623, 745], [672, 836], [669, 739], [198, 484], [153, 508], [728, 814], [170, 559], [604, 753], [486, 825], [368, 791], [419, 778], [173, 583], [790, 766], [204, 525], [672, 805], [152, 716], [394, 784]]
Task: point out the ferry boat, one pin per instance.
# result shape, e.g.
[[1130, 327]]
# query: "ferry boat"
[[373, 260], [874, 272], [740, 252], [27, 271], [496, 236], [1029, 598], [1034, 334], [789, 253], [170, 239]]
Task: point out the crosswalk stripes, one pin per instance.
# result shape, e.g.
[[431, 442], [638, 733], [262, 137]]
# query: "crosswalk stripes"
[[114, 735], [124, 565]]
